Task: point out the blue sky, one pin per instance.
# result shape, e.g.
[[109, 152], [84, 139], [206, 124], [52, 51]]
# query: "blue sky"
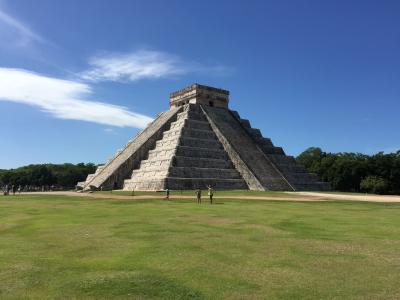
[[78, 79]]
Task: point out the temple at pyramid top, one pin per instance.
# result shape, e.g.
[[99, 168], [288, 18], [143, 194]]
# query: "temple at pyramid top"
[[200, 94]]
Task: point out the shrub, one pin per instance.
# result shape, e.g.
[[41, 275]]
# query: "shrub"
[[373, 184]]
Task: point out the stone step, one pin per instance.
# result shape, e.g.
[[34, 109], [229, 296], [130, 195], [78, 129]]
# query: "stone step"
[[266, 142], [193, 172], [189, 123], [161, 163], [287, 163], [200, 143], [174, 183], [161, 153], [185, 172], [169, 143], [271, 150], [255, 132], [302, 177], [216, 183], [90, 177], [183, 161], [192, 115], [149, 174], [186, 140], [190, 132], [245, 123], [197, 124], [201, 152], [197, 133], [147, 185], [164, 153], [291, 168], [177, 125]]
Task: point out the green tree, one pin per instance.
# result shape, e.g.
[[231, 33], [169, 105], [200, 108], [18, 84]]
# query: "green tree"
[[66, 175], [374, 185], [345, 171]]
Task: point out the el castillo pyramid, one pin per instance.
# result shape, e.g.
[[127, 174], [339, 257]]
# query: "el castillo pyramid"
[[198, 142]]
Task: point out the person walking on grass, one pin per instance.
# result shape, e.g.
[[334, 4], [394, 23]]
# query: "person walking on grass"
[[167, 194], [198, 196], [210, 193]]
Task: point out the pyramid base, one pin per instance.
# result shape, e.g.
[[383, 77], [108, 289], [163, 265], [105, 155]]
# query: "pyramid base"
[[174, 183]]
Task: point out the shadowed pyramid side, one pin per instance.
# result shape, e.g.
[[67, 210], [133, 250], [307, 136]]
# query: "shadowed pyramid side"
[[296, 174], [249, 156]]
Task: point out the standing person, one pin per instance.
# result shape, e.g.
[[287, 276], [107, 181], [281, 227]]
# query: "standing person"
[[167, 193], [19, 189], [198, 196], [210, 193], [7, 189]]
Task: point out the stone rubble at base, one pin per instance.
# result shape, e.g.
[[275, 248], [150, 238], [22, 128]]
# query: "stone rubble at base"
[[200, 142]]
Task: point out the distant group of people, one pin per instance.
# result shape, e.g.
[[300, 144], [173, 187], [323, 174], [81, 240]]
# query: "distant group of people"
[[9, 189], [210, 193]]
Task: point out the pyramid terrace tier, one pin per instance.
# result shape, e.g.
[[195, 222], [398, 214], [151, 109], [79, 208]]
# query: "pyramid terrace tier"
[[160, 153], [188, 123], [186, 172], [189, 142], [183, 161], [184, 184], [191, 114], [190, 132]]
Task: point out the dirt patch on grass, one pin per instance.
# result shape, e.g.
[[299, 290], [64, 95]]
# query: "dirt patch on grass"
[[360, 197], [176, 197]]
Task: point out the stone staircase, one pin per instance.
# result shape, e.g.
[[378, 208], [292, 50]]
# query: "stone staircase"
[[260, 167], [188, 156], [113, 173]]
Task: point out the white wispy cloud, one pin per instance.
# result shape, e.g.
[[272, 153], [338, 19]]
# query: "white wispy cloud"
[[13, 29], [110, 131], [144, 64], [64, 99]]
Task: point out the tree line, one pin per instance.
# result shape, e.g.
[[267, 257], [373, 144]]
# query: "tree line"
[[347, 172], [61, 175], [355, 172]]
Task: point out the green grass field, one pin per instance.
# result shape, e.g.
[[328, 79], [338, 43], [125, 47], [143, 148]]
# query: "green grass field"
[[204, 193], [57, 247]]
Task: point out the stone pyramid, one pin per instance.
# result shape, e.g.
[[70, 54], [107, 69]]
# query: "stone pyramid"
[[200, 142]]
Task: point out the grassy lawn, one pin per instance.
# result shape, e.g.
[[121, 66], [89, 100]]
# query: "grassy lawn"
[[56, 247]]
